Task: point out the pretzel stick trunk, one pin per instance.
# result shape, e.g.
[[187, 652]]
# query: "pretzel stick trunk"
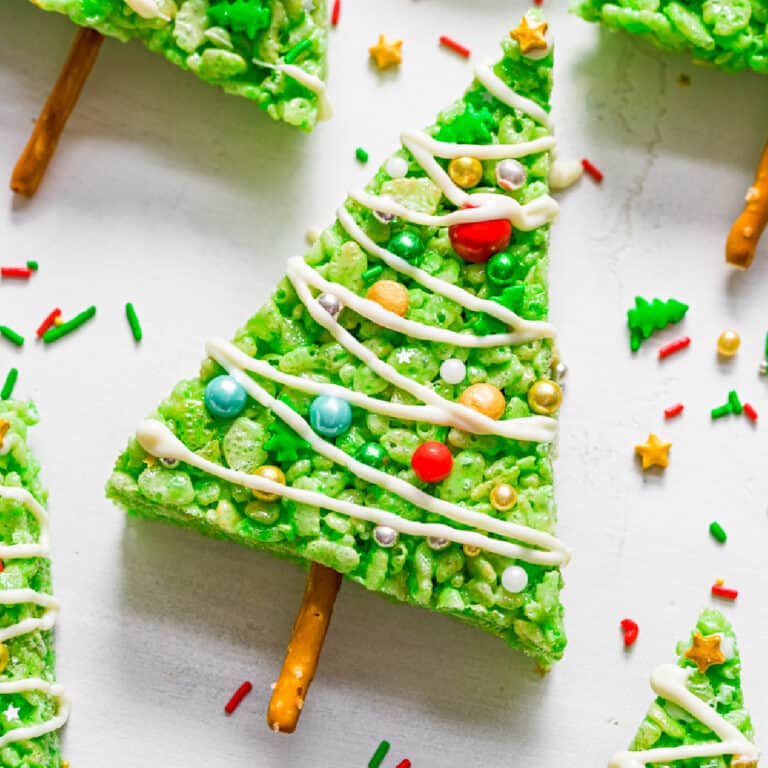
[[746, 230], [303, 649], [33, 161]]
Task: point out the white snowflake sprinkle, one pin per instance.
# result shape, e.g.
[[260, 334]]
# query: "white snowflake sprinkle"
[[404, 355], [11, 713]]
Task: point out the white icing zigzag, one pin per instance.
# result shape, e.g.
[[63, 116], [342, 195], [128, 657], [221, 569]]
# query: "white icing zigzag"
[[670, 682], [519, 541], [45, 622]]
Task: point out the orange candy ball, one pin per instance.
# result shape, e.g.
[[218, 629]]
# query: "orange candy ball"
[[484, 398], [392, 295]]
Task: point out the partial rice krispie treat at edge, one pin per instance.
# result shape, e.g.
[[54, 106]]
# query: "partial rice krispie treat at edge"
[[33, 707], [730, 34], [698, 719], [389, 412], [270, 51]]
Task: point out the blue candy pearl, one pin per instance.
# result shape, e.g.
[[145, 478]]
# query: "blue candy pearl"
[[224, 397], [330, 416]]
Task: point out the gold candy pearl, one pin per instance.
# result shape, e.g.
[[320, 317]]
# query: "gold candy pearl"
[[545, 397], [484, 398], [5, 657], [268, 472], [471, 551], [503, 497], [391, 295], [728, 343], [466, 172]]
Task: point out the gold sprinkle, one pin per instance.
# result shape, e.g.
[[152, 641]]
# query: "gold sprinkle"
[[4, 427]]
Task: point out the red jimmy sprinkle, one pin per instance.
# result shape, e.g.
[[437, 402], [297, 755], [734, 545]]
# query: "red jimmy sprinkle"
[[727, 594], [404, 764], [674, 346], [750, 412], [673, 410], [20, 272], [631, 631], [592, 170], [47, 324], [447, 42], [237, 697], [335, 12]]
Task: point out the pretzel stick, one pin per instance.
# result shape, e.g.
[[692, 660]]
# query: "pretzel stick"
[[33, 161], [746, 230], [303, 649]]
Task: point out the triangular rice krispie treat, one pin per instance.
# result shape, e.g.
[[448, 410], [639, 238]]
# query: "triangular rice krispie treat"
[[389, 411], [33, 707], [270, 51], [699, 719], [727, 33]]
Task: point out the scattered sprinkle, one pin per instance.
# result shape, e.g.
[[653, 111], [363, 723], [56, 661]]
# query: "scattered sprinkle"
[[404, 764], [538, 2], [592, 170], [49, 321], [379, 754], [361, 155], [717, 532], [22, 273], [336, 12], [33, 265], [2, 566], [718, 590], [386, 53], [54, 334], [649, 316], [10, 383], [653, 452], [720, 411], [448, 42], [673, 410], [11, 335], [133, 321], [631, 630], [296, 51], [750, 412], [237, 697], [372, 274], [674, 346], [734, 402]]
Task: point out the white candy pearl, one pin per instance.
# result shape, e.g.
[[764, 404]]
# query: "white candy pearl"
[[514, 579], [510, 174], [453, 371], [396, 167], [385, 536]]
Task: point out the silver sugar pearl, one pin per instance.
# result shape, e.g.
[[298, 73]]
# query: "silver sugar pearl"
[[169, 463], [384, 218], [436, 542], [385, 536], [763, 368], [561, 369], [510, 174], [330, 303]]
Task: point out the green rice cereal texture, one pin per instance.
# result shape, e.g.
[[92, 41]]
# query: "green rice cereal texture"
[[30, 655], [666, 725], [234, 44], [283, 333], [730, 34]]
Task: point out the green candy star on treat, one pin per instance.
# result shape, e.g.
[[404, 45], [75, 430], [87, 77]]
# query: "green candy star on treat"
[[247, 16]]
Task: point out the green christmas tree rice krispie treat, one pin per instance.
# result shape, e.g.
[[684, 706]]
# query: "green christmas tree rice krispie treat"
[[33, 707], [730, 34], [389, 412], [270, 51], [698, 719]]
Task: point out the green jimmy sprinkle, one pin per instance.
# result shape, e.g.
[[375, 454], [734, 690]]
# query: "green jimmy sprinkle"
[[717, 532], [133, 321], [55, 333], [734, 402], [721, 410], [12, 336], [372, 273], [297, 50], [361, 155], [379, 754], [10, 383]]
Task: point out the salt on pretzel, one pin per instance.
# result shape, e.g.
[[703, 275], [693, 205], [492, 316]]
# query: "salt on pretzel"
[[33, 161], [304, 648], [746, 230]]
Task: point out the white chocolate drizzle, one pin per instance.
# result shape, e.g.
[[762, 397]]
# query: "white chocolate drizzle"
[[43, 623], [670, 682], [310, 82]]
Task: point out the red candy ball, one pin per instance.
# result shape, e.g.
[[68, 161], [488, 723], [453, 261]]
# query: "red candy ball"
[[432, 461], [477, 241]]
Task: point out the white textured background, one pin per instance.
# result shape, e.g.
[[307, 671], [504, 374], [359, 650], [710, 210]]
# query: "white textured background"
[[167, 193]]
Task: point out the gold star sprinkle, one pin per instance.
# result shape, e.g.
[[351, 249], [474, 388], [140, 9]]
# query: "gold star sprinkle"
[[530, 38], [4, 427], [386, 53], [705, 651], [150, 460], [653, 452]]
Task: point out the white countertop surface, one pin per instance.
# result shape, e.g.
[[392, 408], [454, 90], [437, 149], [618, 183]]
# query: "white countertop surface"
[[167, 193]]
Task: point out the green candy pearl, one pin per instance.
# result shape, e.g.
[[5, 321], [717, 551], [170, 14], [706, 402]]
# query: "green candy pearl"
[[372, 454], [407, 245], [501, 269]]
